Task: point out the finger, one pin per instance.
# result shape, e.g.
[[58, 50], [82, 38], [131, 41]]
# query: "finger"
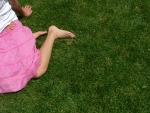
[[12, 23], [28, 6], [7, 29], [11, 27]]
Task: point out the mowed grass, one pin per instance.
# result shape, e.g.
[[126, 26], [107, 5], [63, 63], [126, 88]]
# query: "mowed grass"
[[106, 69]]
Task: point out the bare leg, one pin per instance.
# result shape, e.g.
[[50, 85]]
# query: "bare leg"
[[46, 48], [39, 33]]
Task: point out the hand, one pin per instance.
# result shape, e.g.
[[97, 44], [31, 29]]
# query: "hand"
[[27, 10], [11, 26]]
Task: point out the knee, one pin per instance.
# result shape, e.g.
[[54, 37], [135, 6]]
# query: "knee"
[[40, 71]]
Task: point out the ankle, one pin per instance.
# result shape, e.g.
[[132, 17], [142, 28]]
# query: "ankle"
[[53, 31], [51, 28]]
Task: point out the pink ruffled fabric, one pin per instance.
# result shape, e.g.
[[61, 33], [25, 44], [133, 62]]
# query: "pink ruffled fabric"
[[19, 58]]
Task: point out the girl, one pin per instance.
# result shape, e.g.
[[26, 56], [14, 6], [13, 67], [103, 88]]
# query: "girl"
[[20, 60]]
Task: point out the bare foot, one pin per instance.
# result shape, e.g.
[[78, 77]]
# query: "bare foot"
[[58, 33], [39, 33]]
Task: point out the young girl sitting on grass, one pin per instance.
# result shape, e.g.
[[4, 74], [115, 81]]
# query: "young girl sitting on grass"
[[20, 60]]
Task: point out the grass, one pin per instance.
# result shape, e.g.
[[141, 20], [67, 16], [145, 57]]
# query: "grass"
[[106, 69]]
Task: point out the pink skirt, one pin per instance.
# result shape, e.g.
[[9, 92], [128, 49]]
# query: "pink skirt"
[[19, 58]]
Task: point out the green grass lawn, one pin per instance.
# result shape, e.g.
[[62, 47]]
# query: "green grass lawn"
[[106, 69]]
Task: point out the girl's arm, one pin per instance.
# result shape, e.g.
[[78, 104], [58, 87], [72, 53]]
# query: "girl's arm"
[[22, 11]]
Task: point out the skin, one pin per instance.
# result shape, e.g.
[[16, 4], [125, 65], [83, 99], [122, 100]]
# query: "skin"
[[22, 11], [53, 34], [46, 49]]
